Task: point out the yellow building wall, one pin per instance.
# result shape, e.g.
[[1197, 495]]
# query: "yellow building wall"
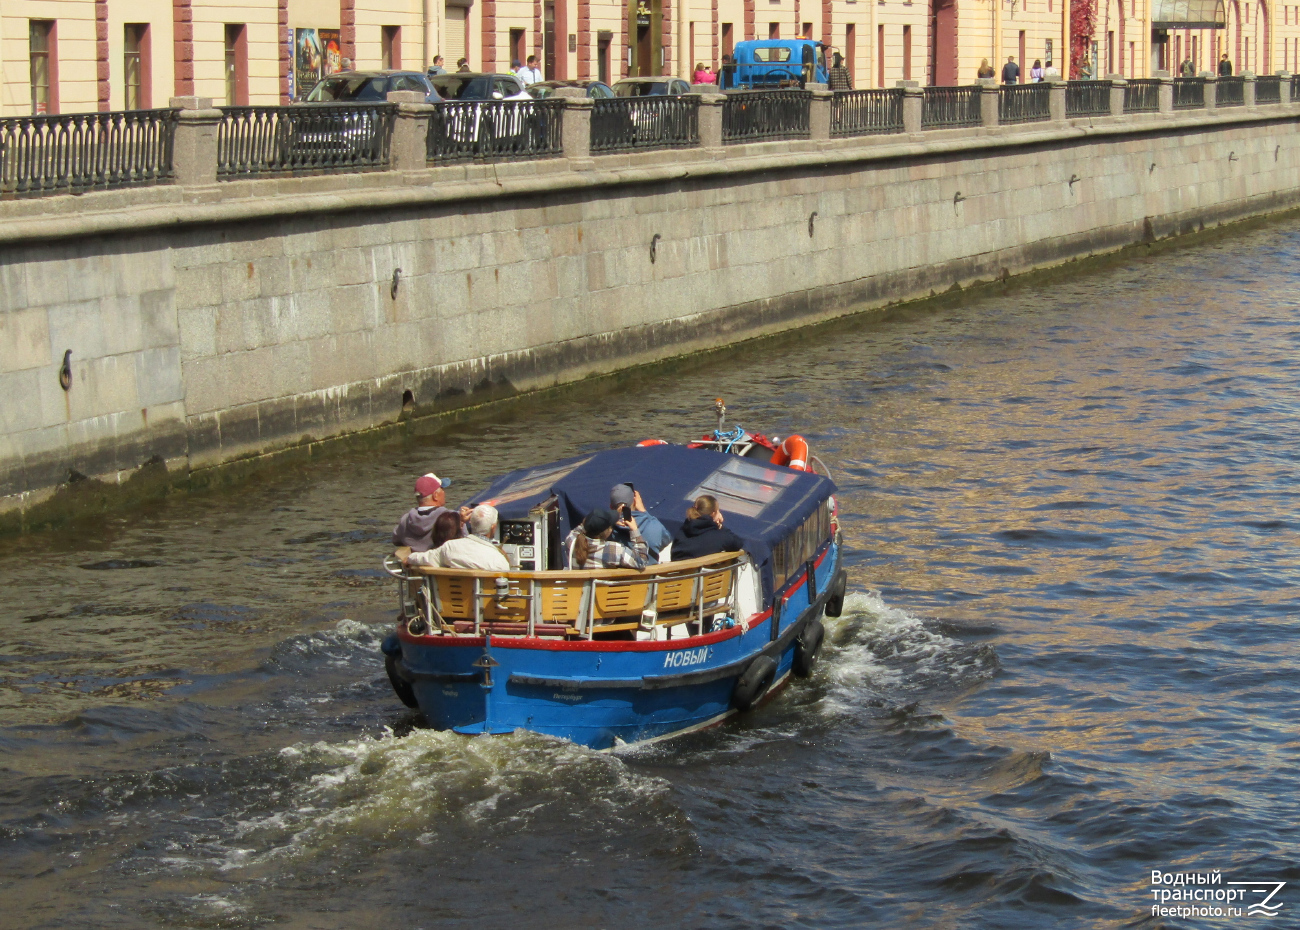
[[158, 14], [78, 91], [261, 19], [373, 15]]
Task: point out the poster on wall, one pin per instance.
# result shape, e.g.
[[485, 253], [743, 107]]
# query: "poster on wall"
[[331, 50], [307, 60]]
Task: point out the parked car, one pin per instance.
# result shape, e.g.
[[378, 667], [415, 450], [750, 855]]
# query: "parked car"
[[596, 90], [483, 122], [651, 87], [474, 85], [774, 63], [369, 86]]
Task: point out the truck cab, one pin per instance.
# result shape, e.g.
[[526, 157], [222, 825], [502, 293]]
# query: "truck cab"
[[775, 63]]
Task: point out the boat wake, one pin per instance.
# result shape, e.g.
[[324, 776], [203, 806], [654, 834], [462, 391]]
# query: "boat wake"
[[878, 653]]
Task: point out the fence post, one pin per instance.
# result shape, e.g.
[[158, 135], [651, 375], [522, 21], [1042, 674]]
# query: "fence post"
[[194, 152], [1118, 87], [1056, 99], [1284, 87], [409, 149], [990, 95], [1211, 90], [913, 101], [1248, 88], [711, 120], [575, 132], [1166, 93], [819, 115]]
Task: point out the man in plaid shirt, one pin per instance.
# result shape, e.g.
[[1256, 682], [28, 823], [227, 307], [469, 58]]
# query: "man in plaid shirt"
[[591, 547]]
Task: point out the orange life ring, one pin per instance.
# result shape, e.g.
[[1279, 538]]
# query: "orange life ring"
[[652, 442], [793, 453]]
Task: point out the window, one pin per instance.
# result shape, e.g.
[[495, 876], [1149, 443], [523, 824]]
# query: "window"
[[517, 52], [907, 53], [807, 31], [851, 51], [603, 42], [236, 65], [135, 66], [43, 61], [774, 30], [728, 39], [880, 56], [390, 47], [766, 55], [744, 486]]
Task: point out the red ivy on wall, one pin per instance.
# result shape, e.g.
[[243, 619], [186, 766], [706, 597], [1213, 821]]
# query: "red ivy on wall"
[[1083, 22]]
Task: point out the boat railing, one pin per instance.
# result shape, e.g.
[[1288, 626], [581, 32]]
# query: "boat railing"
[[569, 604]]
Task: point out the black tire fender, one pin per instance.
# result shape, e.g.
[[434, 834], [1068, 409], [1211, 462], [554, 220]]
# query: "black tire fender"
[[753, 683], [808, 647], [835, 601], [392, 650]]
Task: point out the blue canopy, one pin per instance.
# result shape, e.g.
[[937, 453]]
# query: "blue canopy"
[[762, 503]]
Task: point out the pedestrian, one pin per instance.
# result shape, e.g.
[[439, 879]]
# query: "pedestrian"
[[839, 77], [1050, 73], [1225, 66], [1036, 72], [727, 73], [702, 74], [985, 70], [462, 65], [1188, 67], [529, 74], [437, 67], [1011, 71]]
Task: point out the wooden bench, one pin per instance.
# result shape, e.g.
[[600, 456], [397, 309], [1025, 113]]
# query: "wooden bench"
[[585, 604]]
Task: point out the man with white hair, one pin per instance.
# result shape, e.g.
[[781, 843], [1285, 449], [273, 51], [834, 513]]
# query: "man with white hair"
[[477, 550]]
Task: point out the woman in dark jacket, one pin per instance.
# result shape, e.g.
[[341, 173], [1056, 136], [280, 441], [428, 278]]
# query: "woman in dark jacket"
[[703, 533]]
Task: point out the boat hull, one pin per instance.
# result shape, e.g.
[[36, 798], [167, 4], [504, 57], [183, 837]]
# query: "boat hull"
[[603, 693]]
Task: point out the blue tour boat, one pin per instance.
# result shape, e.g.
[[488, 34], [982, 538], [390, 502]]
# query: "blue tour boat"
[[611, 656]]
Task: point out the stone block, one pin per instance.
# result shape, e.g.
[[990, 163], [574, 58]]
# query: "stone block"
[[78, 327], [24, 340], [158, 376], [199, 286], [197, 329], [101, 386], [22, 409], [13, 286], [158, 323]]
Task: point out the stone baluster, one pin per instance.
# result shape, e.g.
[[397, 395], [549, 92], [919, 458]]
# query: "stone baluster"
[[1165, 93], [711, 120], [1211, 89], [1248, 88], [1118, 88], [990, 94], [819, 115], [194, 152], [409, 148], [913, 102], [1285, 86], [1056, 99]]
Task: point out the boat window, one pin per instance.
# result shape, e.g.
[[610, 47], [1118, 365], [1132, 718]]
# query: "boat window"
[[744, 486], [535, 482], [789, 555]]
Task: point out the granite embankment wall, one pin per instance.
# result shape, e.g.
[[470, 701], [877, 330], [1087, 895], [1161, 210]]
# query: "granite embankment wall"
[[211, 324]]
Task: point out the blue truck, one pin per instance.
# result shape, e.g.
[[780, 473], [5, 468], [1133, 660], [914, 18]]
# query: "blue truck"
[[772, 63]]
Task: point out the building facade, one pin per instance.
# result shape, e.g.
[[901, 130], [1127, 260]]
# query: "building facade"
[[66, 56]]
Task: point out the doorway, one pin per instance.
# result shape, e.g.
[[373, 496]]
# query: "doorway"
[[943, 43]]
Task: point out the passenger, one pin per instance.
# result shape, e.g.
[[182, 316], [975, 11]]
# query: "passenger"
[[416, 526], [447, 527], [476, 551], [592, 547], [703, 533], [839, 78], [626, 502]]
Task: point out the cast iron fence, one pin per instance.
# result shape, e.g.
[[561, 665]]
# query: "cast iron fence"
[[1087, 98], [1230, 92], [863, 112], [1142, 95], [495, 130], [307, 138], [949, 107], [1295, 88], [1024, 103], [754, 116], [1189, 93], [626, 124], [78, 152], [1268, 89]]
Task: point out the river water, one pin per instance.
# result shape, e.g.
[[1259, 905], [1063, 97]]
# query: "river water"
[[1069, 656]]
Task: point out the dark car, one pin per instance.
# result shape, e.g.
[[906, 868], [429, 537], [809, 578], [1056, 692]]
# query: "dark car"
[[474, 85], [370, 86], [596, 90], [651, 87]]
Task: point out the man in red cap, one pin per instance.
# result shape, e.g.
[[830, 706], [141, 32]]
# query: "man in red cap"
[[415, 529]]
